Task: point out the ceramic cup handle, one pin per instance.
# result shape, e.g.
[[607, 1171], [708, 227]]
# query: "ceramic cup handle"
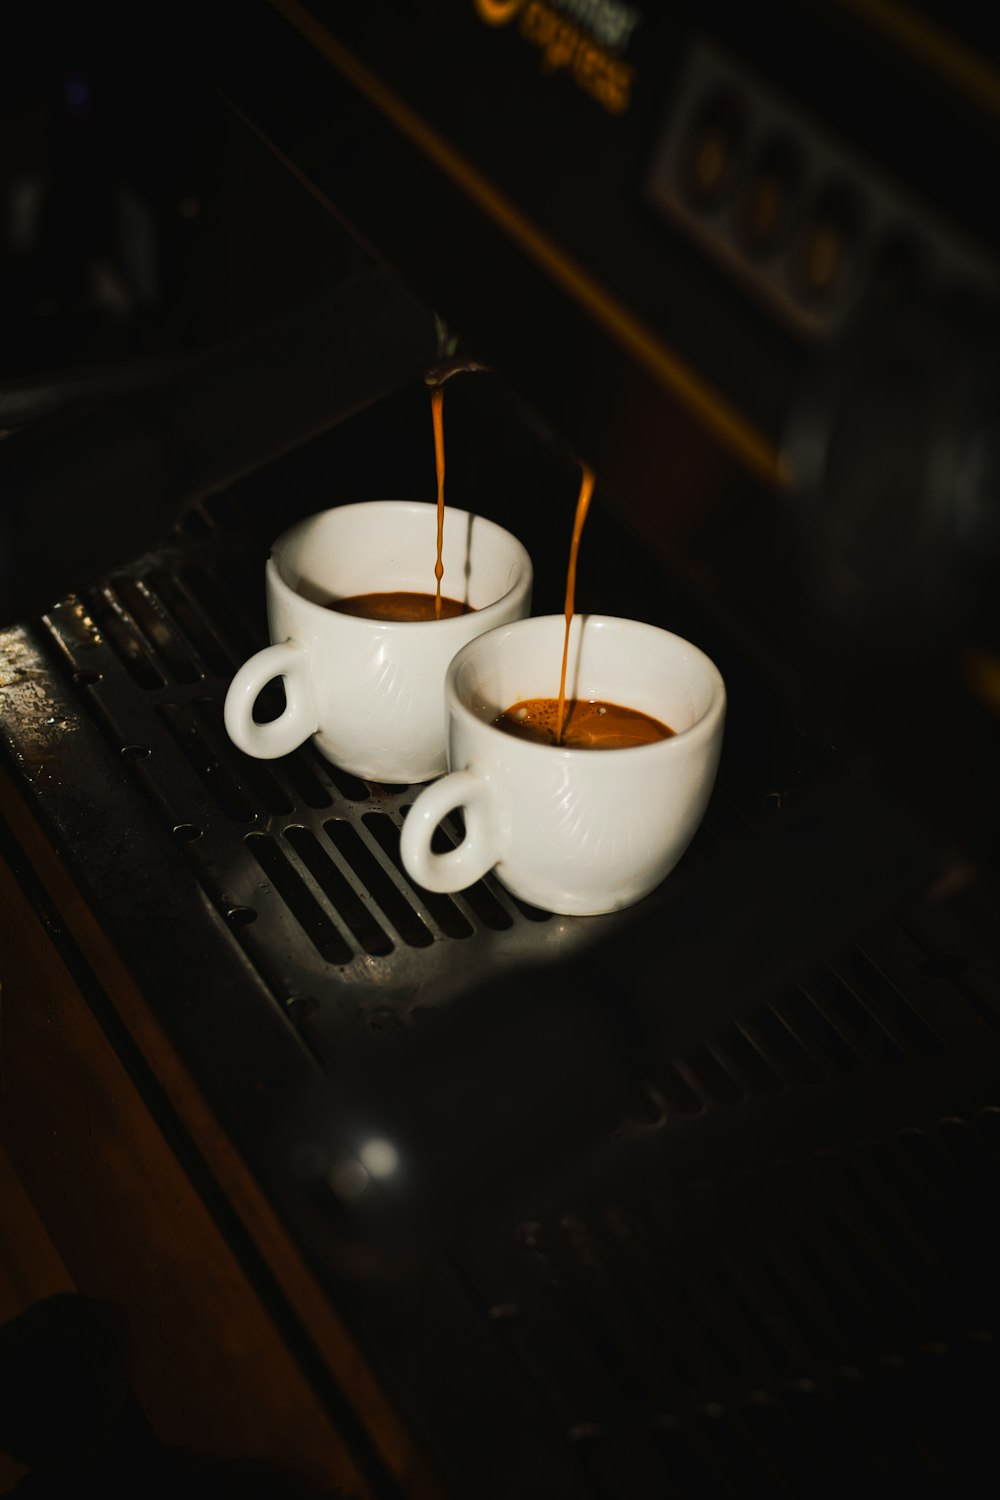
[[292, 727], [476, 854]]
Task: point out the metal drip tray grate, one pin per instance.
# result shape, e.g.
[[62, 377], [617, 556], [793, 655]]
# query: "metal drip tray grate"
[[301, 858], [777, 1272], [715, 1336]]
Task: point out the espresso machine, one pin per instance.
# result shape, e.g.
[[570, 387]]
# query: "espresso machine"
[[678, 1200]]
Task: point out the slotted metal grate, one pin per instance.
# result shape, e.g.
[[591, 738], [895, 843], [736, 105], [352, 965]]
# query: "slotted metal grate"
[[779, 1273], [714, 1335], [301, 857]]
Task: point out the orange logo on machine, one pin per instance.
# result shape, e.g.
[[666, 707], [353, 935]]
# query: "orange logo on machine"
[[498, 12], [584, 37]]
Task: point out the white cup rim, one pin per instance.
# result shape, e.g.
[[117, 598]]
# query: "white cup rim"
[[702, 729], [281, 587]]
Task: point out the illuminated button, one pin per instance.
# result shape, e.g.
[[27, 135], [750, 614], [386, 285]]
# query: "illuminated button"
[[712, 154], [828, 249], [767, 209]]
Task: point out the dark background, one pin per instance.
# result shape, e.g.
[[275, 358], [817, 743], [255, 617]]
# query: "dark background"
[[138, 216]]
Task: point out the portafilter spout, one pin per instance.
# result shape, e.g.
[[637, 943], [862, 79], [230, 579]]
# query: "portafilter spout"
[[458, 365]]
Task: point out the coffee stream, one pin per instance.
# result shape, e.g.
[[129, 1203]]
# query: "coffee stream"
[[582, 507], [437, 415], [579, 725], [550, 721], [402, 605]]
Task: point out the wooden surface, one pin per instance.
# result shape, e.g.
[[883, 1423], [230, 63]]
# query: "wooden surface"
[[30, 1267], [207, 1361]]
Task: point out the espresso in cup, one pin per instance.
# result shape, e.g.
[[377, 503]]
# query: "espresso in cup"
[[570, 828], [401, 605], [586, 725]]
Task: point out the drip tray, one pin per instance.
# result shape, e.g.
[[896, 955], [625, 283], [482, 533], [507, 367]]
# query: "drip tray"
[[776, 1273], [300, 858]]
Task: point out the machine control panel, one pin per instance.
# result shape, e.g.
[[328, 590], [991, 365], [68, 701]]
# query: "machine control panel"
[[807, 226]]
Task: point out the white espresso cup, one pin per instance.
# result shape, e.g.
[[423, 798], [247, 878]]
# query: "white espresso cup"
[[572, 831], [370, 693]]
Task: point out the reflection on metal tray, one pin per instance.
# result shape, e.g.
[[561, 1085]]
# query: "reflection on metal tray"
[[300, 858], [778, 1270]]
